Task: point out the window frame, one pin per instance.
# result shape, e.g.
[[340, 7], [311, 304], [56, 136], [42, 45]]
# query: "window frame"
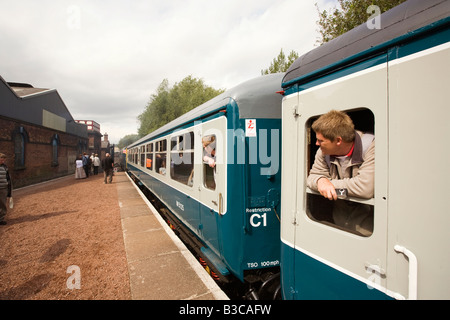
[[315, 200], [209, 180], [182, 157]]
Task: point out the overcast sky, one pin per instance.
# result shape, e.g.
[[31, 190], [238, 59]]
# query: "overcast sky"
[[105, 58]]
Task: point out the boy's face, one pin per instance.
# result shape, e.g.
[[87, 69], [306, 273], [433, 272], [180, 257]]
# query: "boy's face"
[[327, 146]]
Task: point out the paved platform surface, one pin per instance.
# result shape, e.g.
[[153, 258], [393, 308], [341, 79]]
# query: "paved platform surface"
[[160, 266]]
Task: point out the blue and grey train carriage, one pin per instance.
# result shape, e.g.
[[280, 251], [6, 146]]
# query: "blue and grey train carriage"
[[216, 169], [394, 82]]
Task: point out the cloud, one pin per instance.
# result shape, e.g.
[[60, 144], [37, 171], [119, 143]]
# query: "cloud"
[[107, 58]]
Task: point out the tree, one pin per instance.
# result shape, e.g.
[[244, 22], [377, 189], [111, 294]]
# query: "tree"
[[280, 64], [170, 103], [351, 14], [155, 114], [127, 140]]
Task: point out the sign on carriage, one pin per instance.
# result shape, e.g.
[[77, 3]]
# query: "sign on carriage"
[[250, 127]]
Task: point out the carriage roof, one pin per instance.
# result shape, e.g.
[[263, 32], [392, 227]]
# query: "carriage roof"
[[402, 21], [256, 98]]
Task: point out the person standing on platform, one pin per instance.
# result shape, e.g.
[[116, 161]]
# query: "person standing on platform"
[[86, 164], [5, 188], [96, 163], [79, 170], [108, 167]]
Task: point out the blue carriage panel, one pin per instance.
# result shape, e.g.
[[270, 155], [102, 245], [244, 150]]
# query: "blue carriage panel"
[[235, 236], [263, 187]]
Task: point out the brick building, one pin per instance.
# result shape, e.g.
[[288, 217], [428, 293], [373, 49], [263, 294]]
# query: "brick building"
[[38, 134], [94, 136]]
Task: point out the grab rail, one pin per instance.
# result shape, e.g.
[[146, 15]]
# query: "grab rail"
[[370, 202], [412, 276]]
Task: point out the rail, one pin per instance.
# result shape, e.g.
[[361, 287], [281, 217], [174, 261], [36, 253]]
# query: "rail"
[[370, 202]]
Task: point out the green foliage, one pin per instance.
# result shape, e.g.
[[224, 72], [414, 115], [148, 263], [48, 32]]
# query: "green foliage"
[[351, 14], [127, 140], [168, 103], [280, 64]]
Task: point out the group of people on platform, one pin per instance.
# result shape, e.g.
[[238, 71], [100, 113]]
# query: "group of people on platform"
[[86, 165], [83, 169]]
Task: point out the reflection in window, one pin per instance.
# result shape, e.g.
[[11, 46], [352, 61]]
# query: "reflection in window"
[[183, 169], [182, 158], [149, 158], [142, 159], [161, 157], [343, 214], [149, 161]]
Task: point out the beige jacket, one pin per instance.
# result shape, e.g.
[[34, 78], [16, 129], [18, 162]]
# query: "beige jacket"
[[358, 177]]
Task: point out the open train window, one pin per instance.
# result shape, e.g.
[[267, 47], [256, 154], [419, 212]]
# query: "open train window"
[[182, 158], [348, 213], [209, 161]]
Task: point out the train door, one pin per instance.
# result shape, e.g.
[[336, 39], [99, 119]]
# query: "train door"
[[213, 178], [419, 221], [289, 166], [331, 260]]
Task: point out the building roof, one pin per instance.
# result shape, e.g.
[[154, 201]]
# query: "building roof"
[[43, 107], [25, 89]]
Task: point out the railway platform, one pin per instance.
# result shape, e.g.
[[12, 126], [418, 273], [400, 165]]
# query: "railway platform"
[[70, 239], [160, 266]]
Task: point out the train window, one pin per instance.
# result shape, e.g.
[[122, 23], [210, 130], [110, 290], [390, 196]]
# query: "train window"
[[348, 213], [149, 158], [142, 156], [182, 158], [161, 157], [135, 156], [209, 161], [149, 161]]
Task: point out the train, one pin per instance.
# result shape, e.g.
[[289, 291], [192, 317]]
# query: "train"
[[392, 78], [230, 175], [215, 172]]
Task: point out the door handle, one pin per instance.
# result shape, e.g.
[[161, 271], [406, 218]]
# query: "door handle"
[[412, 272], [376, 268], [220, 204]]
